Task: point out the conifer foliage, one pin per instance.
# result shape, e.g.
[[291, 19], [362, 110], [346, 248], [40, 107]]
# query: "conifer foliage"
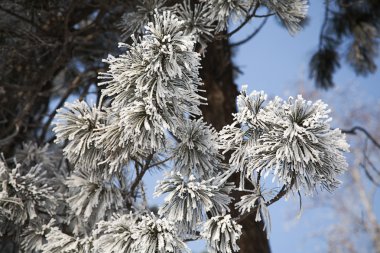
[[149, 116]]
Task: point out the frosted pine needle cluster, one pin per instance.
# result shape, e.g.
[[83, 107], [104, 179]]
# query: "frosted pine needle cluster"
[[85, 193], [298, 145], [116, 235], [189, 199], [221, 233]]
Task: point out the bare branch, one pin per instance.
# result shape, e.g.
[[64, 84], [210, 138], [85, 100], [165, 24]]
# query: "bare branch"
[[247, 19], [161, 162], [280, 194], [264, 15], [75, 83], [22, 18], [255, 32], [354, 130], [140, 175]]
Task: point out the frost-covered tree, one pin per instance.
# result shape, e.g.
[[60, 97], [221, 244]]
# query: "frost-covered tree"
[[85, 192]]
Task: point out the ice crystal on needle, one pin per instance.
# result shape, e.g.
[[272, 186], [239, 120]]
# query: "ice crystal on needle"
[[115, 236], [76, 123], [149, 116], [221, 233], [299, 144], [190, 199], [290, 12], [197, 153], [157, 235]]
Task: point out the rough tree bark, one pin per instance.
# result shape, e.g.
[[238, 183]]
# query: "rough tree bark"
[[218, 76]]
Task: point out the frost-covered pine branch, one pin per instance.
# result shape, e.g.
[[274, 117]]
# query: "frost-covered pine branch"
[[222, 233], [290, 12], [189, 199], [148, 115]]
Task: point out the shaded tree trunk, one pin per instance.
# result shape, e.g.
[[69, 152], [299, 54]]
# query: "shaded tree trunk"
[[218, 76]]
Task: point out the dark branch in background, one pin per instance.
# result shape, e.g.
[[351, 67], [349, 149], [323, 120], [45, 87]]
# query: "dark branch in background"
[[74, 84], [264, 15], [160, 162], [366, 161], [368, 174], [255, 32], [354, 130], [325, 61], [22, 18], [10, 137], [324, 25], [247, 19], [349, 31], [258, 179], [372, 165], [140, 174]]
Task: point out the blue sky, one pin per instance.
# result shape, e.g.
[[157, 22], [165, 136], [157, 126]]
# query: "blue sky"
[[274, 62]]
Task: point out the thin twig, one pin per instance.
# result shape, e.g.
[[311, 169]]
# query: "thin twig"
[[71, 88], [258, 179], [9, 138], [279, 195], [247, 19], [250, 36], [136, 161], [140, 175], [324, 25], [363, 130], [22, 18], [284, 190], [161, 162], [372, 165], [370, 177], [264, 15]]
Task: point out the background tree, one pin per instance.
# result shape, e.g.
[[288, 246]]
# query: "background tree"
[[352, 217], [350, 30], [63, 44]]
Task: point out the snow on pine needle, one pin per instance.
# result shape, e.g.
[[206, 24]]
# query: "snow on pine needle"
[[189, 199], [11, 205], [31, 154], [197, 151], [24, 195], [157, 235], [243, 133], [222, 233], [221, 11], [76, 123], [115, 235], [127, 80], [34, 237], [291, 13], [134, 21], [168, 49], [197, 21], [59, 242], [92, 196], [152, 95], [299, 146], [143, 124], [292, 140]]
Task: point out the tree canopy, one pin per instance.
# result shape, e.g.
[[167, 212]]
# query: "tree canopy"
[[71, 171]]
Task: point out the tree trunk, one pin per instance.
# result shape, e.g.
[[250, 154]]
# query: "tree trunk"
[[218, 76]]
